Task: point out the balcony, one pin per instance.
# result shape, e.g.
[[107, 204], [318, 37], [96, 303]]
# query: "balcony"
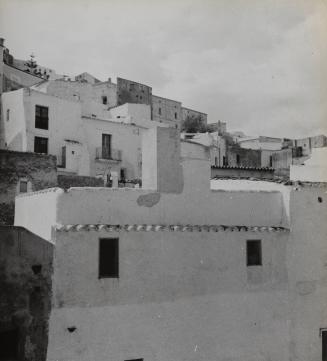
[[108, 154]]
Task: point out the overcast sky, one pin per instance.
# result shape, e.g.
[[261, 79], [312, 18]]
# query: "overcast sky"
[[259, 65]]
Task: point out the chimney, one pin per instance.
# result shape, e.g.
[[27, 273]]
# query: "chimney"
[[161, 160], [2, 42]]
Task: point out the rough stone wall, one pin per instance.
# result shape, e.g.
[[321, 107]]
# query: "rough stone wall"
[[132, 92], [25, 297], [193, 114], [246, 157], [221, 172], [167, 111], [68, 181], [38, 170]]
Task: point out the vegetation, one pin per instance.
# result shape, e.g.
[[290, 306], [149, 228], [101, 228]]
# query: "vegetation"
[[193, 124]]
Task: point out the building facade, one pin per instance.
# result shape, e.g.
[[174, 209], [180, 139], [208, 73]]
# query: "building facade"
[[87, 140], [167, 111], [166, 273]]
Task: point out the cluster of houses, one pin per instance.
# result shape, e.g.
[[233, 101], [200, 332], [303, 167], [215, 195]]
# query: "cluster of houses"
[[117, 246]]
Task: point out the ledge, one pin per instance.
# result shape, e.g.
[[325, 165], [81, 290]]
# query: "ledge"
[[169, 228]]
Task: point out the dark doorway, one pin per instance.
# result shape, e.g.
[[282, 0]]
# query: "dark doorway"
[[106, 146], [324, 345], [9, 345]]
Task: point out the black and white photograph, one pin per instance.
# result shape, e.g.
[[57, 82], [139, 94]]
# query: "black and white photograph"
[[163, 180]]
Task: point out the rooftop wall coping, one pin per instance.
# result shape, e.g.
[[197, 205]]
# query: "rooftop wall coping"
[[42, 191], [165, 227], [243, 168], [285, 182]]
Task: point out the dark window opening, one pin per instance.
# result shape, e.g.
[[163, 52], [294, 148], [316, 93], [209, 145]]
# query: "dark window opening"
[[320, 199], [175, 115], [8, 115], [9, 345], [270, 161], [224, 160], [324, 345], [36, 268], [216, 161], [41, 145], [104, 99], [122, 174], [41, 117], [159, 111], [22, 186], [238, 159], [253, 253], [108, 258], [106, 146]]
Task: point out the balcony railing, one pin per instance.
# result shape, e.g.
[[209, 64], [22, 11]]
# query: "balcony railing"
[[107, 153]]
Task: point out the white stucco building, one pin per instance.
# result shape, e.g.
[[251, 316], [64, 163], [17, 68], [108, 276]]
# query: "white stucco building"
[[179, 271], [88, 138]]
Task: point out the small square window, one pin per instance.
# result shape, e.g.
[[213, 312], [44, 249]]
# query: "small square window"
[[22, 186], [253, 253], [108, 258]]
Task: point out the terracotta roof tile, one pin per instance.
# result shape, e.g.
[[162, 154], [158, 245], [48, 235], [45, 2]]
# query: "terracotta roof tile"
[[171, 228]]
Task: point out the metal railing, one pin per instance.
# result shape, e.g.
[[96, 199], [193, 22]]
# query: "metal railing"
[[107, 153]]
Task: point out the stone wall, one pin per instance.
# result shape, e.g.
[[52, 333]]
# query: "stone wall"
[[167, 111], [242, 172], [129, 91], [25, 297], [241, 157], [68, 181], [39, 171]]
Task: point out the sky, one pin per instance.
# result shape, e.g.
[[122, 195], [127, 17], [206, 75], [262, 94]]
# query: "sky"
[[259, 65]]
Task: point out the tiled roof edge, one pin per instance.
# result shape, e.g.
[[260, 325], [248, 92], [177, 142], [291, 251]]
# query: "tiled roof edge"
[[242, 168], [162, 227]]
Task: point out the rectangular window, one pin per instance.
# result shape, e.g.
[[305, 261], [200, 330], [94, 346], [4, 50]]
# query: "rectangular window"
[[106, 146], [108, 258], [41, 117], [253, 253], [159, 111], [41, 145], [324, 344], [22, 186], [104, 99], [175, 115], [238, 159], [8, 115]]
